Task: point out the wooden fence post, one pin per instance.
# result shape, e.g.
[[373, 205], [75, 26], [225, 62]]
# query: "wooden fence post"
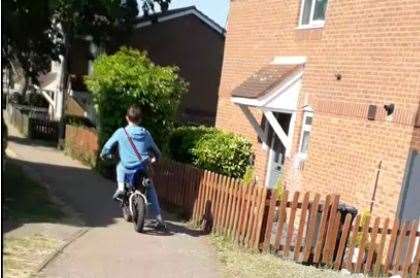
[[322, 229], [291, 227], [238, 200], [282, 220], [311, 228], [354, 233], [331, 233], [379, 258], [361, 254], [411, 243], [400, 246], [302, 222], [270, 220], [260, 218], [247, 215], [343, 240]]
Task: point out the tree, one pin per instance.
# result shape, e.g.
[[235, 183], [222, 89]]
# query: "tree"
[[30, 40], [129, 77], [148, 6], [38, 32]]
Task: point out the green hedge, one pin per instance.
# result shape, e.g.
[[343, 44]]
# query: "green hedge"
[[129, 77], [184, 139], [211, 149]]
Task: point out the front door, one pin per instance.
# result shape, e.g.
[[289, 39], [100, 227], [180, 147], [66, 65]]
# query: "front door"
[[277, 150], [276, 161], [410, 206]]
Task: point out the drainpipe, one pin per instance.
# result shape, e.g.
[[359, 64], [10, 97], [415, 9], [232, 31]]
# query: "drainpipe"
[[372, 202]]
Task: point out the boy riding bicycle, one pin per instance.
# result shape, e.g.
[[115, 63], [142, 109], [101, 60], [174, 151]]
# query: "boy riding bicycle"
[[136, 149]]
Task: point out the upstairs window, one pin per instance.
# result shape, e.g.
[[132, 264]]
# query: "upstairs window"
[[312, 13]]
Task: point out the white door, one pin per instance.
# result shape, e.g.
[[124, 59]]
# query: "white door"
[[277, 150]]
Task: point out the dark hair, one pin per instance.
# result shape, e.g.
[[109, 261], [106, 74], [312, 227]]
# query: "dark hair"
[[134, 114]]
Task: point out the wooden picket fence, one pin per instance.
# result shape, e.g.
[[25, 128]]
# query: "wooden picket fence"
[[301, 227], [220, 204], [316, 232]]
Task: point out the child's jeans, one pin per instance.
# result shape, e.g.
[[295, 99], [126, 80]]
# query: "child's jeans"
[[125, 175]]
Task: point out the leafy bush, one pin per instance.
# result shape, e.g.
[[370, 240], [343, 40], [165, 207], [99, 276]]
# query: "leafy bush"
[[129, 77], [364, 219], [78, 121], [224, 153], [184, 139], [280, 188], [211, 149]]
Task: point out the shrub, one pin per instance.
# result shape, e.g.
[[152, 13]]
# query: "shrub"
[[279, 188], [211, 149], [224, 153], [365, 217], [129, 77], [184, 139], [78, 121]]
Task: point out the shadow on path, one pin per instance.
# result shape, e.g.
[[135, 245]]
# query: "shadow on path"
[[31, 142], [90, 195]]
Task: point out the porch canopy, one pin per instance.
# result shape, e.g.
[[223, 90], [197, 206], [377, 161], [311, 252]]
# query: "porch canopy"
[[273, 88]]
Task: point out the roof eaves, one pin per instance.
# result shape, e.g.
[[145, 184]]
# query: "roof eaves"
[[176, 13]]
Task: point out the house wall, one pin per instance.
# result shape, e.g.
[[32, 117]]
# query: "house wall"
[[416, 139], [197, 50], [375, 49], [185, 42]]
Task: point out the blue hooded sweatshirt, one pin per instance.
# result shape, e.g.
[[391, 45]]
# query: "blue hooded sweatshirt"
[[143, 141]]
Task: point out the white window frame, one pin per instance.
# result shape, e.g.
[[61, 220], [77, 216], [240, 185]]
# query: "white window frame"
[[312, 23], [305, 127]]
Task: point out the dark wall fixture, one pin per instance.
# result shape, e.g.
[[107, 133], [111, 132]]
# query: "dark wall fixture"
[[389, 108], [338, 76], [372, 112]]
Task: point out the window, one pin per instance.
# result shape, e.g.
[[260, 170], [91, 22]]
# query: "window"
[[306, 133], [312, 13]]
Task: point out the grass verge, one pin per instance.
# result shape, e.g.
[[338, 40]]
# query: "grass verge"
[[26, 202], [239, 262], [21, 256]]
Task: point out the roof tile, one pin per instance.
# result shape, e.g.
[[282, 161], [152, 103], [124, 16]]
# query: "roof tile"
[[261, 82]]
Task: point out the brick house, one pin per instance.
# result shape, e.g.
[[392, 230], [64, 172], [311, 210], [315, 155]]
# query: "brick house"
[[328, 92], [183, 37]]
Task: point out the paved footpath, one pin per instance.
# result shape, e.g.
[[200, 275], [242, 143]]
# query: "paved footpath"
[[110, 247]]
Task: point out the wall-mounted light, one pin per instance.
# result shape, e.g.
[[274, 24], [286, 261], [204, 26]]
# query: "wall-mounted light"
[[389, 108], [338, 76]]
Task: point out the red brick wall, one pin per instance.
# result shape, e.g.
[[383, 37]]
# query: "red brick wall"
[[374, 46], [196, 49]]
